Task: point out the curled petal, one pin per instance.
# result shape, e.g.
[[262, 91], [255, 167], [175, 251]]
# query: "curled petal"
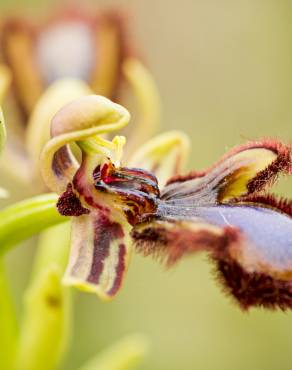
[[77, 121], [53, 99], [147, 95], [100, 252], [164, 155], [245, 170]]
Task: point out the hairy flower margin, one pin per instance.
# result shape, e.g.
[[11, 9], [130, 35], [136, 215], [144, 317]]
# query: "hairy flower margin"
[[225, 210]]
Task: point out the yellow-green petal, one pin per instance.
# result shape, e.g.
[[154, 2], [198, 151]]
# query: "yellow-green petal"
[[80, 120], [51, 101], [147, 95], [164, 155]]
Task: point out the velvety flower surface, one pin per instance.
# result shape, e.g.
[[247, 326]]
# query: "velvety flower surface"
[[225, 210]]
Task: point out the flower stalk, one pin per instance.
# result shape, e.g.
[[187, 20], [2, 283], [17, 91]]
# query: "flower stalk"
[[8, 322], [47, 320], [24, 219]]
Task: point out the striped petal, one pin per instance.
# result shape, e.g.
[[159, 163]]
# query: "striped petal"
[[245, 170], [100, 253], [164, 155]]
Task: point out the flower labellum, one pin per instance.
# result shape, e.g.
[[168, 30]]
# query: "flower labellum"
[[225, 211]]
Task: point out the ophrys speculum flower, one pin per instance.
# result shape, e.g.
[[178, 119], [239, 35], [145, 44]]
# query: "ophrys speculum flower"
[[225, 210]]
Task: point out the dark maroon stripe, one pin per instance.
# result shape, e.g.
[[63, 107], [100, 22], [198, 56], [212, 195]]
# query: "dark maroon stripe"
[[105, 232], [120, 268]]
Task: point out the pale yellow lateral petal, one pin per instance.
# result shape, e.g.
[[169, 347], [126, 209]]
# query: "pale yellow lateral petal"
[[146, 93], [164, 155]]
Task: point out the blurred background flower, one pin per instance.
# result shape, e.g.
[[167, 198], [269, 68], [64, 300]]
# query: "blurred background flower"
[[224, 74], [50, 62]]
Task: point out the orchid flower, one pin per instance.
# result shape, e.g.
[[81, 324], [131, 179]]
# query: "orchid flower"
[[73, 54], [225, 210]]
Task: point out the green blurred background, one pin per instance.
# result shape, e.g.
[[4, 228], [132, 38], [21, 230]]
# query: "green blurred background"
[[224, 73]]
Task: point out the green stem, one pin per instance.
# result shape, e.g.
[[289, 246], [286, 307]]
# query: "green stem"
[[47, 320], [8, 322], [26, 218]]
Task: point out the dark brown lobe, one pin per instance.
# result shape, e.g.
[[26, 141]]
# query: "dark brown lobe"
[[69, 204]]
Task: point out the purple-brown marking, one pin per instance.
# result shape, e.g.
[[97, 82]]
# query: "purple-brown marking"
[[253, 289], [105, 231], [136, 190], [268, 200], [61, 161], [69, 204], [120, 268], [173, 241]]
